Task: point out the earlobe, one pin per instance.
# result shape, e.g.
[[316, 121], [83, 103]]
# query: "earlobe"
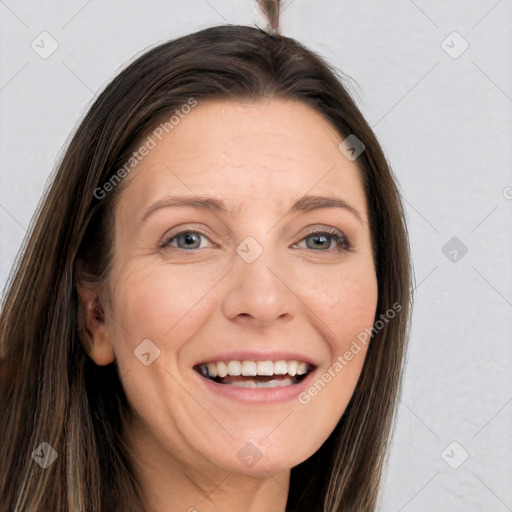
[[93, 332], [99, 349]]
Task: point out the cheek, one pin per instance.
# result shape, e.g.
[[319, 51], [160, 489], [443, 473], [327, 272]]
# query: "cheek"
[[345, 303], [347, 309], [357, 305], [153, 301]]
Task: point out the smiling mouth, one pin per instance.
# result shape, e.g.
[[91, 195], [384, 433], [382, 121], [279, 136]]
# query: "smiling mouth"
[[255, 374]]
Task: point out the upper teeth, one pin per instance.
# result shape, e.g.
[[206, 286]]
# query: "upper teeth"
[[253, 368]]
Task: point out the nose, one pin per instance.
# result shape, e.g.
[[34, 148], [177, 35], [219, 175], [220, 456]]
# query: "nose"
[[259, 293]]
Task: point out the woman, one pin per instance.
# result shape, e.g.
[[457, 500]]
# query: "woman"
[[211, 310]]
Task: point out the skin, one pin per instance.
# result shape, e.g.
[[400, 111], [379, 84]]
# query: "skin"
[[193, 303]]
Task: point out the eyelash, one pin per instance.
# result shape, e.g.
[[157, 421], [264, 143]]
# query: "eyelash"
[[340, 240]]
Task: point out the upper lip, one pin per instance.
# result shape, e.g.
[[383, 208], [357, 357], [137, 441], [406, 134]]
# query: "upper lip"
[[243, 355]]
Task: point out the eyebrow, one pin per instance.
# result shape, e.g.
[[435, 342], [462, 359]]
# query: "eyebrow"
[[306, 203]]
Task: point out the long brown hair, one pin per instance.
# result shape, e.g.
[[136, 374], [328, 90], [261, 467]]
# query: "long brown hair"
[[51, 391]]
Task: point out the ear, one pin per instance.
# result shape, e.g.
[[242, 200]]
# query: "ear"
[[91, 318]]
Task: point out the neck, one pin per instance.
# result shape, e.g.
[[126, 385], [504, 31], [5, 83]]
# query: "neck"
[[177, 482]]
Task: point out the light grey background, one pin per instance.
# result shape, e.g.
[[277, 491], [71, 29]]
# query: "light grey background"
[[444, 121]]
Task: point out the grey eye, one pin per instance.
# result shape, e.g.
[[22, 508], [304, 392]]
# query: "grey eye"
[[185, 240]]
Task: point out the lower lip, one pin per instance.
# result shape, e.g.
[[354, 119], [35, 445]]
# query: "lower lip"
[[258, 395]]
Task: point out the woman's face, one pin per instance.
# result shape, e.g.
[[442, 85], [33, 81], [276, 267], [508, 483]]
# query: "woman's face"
[[216, 269]]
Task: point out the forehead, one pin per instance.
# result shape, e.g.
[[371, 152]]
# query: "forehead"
[[242, 152]]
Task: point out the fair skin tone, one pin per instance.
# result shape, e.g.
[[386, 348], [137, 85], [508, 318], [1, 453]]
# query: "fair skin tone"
[[305, 296]]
